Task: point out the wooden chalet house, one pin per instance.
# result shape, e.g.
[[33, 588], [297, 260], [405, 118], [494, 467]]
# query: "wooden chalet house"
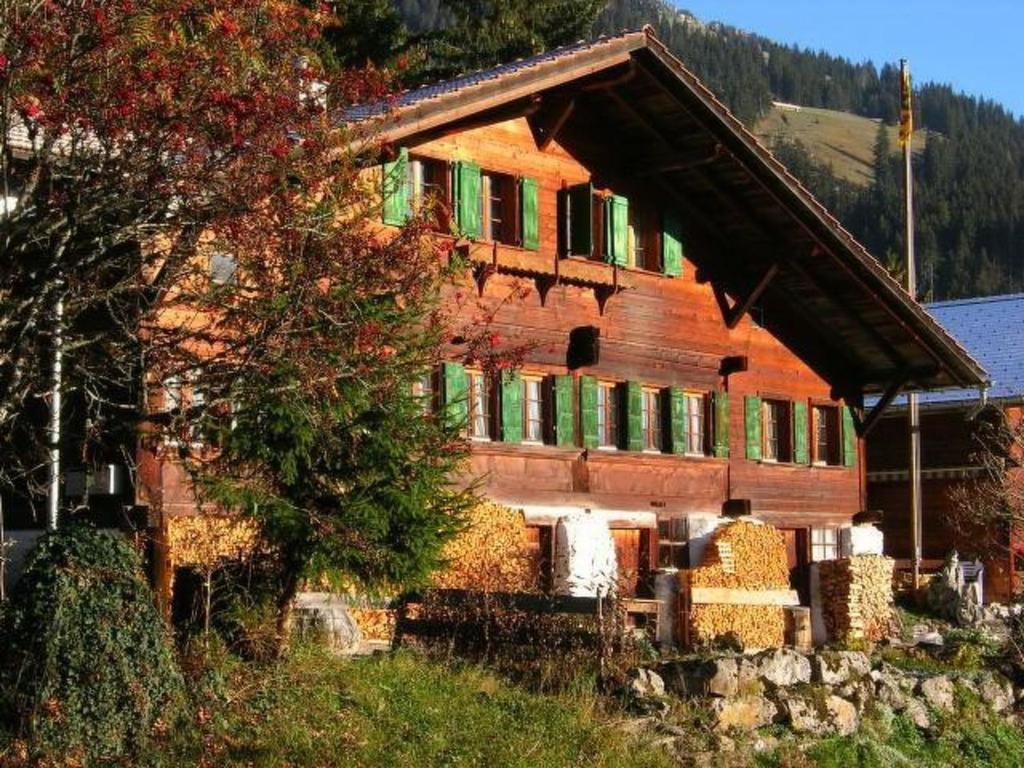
[[703, 331], [992, 329]]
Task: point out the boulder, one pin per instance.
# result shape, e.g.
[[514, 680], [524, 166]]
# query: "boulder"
[[839, 667], [938, 692], [803, 713], [843, 717], [645, 684], [744, 713], [996, 691], [325, 615], [783, 667], [685, 677], [918, 714]]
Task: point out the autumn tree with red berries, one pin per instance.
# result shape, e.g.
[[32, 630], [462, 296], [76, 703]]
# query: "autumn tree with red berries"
[[179, 175]]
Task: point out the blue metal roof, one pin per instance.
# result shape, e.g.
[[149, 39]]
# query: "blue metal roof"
[[992, 331], [434, 90]]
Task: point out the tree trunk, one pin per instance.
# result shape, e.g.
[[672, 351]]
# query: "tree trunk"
[[285, 611]]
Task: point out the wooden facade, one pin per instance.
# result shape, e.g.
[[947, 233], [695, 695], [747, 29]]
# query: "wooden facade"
[[707, 272], [948, 465]]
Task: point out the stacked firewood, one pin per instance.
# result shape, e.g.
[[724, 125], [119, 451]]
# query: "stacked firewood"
[[744, 556], [374, 623], [856, 595], [490, 554]]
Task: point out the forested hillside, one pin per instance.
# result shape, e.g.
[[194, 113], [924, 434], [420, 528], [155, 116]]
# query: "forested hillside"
[[969, 178]]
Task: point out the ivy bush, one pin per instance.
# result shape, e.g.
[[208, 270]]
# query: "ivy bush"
[[87, 670]]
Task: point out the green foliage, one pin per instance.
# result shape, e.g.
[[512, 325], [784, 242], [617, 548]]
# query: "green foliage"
[[402, 710], [87, 669]]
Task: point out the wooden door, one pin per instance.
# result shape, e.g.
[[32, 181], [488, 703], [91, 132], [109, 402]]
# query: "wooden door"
[[627, 556], [798, 559]]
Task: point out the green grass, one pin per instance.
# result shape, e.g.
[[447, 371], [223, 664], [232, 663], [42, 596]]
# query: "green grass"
[[840, 139], [401, 710]]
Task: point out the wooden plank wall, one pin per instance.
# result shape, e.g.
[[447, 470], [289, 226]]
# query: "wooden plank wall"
[[661, 332]]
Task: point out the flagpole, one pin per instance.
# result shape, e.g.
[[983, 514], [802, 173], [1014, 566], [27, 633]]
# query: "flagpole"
[[913, 411]]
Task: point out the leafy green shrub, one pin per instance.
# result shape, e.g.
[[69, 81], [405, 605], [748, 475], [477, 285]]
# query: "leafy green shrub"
[[87, 669]]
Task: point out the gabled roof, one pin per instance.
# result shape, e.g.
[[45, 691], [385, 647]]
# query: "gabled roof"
[[745, 215]]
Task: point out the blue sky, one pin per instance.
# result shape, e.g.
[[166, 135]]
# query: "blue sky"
[[978, 47]]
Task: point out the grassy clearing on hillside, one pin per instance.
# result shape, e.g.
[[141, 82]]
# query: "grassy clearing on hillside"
[[401, 710], [840, 139]]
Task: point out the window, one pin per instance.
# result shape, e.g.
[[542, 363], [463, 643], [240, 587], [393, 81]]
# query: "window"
[[427, 184], [673, 539], [533, 411], [777, 431], [423, 389], [644, 238], [607, 415], [222, 269], [172, 393], [824, 544], [498, 208], [826, 435], [695, 421], [650, 424], [479, 397]]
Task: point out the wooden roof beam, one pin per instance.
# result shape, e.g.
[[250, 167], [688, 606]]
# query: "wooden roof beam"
[[865, 426], [735, 313], [548, 121]]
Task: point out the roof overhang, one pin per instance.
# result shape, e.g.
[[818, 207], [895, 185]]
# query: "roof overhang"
[[751, 226]]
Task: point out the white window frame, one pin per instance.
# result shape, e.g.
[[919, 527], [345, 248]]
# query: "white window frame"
[[652, 434], [607, 415], [824, 543], [695, 407], [479, 398], [533, 409]]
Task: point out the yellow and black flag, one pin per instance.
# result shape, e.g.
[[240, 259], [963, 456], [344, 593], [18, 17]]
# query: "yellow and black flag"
[[906, 113]]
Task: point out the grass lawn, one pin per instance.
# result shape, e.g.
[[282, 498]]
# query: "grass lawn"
[[400, 710]]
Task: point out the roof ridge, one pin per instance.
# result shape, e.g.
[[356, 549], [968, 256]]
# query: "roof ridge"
[[976, 300]]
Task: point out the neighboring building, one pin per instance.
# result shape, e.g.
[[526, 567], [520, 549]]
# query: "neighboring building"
[[992, 330], [701, 329]]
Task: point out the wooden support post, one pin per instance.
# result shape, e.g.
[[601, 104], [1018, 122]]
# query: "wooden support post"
[[868, 423], [741, 308]]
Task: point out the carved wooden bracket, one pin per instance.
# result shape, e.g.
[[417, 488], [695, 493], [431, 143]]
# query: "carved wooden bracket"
[[868, 423], [734, 314], [481, 274], [544, 283]]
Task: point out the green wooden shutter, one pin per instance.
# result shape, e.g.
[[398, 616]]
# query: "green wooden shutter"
[[752, 424], [395, 189], [529, 213], [800, 436], [588, 411], [616, 225], [580, 211], [565, 417], [634, 403], [677, 423], [454, 391], [849, 438], [671, 245], [721, 448], [511, 407], [467, 199]]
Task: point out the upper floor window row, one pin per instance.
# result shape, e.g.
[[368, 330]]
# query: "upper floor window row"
[[779, 430], [479, 204], [462, 198], [516, 407]]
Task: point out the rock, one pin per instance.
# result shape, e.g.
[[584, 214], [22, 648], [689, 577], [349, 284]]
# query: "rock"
[[842, 715], [803, 714], [322, 614], [860, 693], [724, 678], [838, 667], [938, 692], [645, 683], [783, 667], [743, 713], [686, 677], [996, 691], [918, 714]]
